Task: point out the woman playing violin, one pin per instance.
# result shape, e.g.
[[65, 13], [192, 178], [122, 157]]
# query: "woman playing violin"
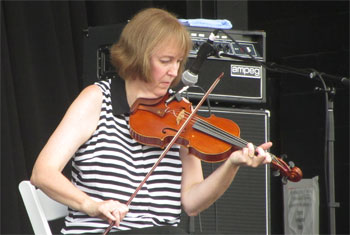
[[107, 164]]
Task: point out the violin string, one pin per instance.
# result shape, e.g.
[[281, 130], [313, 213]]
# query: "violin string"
[[210, 129], [200, 125], [203, 126], [218, 132], [233, 139], [223, 135]]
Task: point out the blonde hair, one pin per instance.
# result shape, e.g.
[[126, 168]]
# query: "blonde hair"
[[146, 30]]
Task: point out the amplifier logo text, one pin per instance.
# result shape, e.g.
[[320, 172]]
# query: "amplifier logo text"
[[246, 71]]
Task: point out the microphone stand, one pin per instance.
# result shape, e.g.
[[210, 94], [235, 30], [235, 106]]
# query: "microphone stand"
[[329, 136]]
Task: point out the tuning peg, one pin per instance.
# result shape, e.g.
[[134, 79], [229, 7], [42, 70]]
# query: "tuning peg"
[[276, 173], [284, 180], [291, 164], [283, 156]]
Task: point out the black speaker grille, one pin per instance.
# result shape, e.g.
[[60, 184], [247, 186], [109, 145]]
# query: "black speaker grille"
[[244, 208]]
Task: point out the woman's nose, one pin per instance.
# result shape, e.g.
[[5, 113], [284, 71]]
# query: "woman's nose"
[[174, 69]]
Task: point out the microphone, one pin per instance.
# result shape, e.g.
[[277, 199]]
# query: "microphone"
[[190, 76]]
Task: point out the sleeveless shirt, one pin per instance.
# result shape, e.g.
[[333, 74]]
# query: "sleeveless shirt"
[[111, 165]]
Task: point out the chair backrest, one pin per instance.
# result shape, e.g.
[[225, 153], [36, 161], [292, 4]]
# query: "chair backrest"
[[40, 208]]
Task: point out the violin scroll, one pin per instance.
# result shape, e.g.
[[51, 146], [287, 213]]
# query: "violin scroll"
[[289, 171]]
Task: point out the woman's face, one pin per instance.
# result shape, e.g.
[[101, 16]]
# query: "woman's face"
[[165, 63]]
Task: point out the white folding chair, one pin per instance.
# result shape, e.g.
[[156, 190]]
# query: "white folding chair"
[[40, 208]]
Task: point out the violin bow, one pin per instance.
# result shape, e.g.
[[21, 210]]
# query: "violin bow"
[[171, 143]]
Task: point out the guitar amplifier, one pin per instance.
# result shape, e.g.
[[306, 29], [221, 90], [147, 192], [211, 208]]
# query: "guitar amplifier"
[[243, 82]]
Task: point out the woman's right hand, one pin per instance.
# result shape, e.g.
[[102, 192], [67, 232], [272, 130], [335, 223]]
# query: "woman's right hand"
[[109, 210]]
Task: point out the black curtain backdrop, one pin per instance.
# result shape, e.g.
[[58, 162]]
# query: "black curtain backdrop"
[[41, 50], [41, 74]]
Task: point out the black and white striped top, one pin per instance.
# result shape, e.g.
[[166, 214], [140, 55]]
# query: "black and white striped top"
[[110, 165]]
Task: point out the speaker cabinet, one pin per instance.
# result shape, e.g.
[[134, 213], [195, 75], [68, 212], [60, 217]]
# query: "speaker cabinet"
[[244, 208], [96, 62]]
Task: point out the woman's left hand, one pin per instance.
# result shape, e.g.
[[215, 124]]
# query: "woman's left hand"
[[250, 156]]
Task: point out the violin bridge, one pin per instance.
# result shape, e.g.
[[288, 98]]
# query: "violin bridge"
[[180, 116]]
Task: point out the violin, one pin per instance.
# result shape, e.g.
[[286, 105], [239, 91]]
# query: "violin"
[[155, 122]]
